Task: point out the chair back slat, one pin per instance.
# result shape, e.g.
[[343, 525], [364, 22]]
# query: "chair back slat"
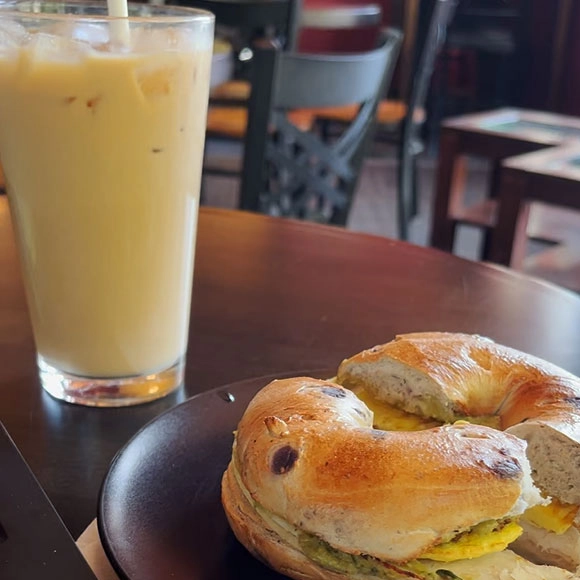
[[306, 80]]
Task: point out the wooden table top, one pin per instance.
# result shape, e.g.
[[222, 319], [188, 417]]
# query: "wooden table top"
[[562, 162], [271, 296], [537, 127]]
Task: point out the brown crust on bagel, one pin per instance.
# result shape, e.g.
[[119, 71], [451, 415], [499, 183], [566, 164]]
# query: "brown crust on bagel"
[[388, 494], [467, 375]]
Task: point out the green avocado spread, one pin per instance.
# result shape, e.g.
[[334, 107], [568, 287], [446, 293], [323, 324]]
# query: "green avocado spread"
[[330, 558]]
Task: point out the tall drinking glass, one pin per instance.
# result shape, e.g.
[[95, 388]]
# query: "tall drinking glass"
[[102, 125]]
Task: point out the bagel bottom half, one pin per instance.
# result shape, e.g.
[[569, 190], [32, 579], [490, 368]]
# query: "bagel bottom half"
[[277, 544]]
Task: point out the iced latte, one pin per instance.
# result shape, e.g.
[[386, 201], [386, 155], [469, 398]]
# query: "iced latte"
[[101, 140]]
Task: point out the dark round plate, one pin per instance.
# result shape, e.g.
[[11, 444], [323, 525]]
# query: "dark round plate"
[[160, 514]]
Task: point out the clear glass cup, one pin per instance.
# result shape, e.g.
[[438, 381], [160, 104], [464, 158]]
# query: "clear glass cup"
[[102, 128]]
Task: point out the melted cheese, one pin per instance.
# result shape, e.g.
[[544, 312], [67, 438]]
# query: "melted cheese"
[[555, 517], [483, 538], [389, 418]]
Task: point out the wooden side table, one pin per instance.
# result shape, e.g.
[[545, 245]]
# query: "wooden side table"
[[495, 135], [551, 176]]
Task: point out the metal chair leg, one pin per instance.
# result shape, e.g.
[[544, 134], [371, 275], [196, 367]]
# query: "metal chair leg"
[[415, 202], [405, 192]]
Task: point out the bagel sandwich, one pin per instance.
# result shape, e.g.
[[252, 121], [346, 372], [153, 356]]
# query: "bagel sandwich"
[[424, 379], [314, 491]]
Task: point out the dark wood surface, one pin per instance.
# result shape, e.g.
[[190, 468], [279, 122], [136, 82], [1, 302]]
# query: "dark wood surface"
[[271, 296]]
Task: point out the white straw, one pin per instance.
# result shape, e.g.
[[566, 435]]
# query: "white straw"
[[120, 34]]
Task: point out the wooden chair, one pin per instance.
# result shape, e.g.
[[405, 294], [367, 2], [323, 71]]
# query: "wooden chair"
[[400, 120], [291, 173]]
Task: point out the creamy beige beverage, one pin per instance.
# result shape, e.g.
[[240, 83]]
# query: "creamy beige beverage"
[[102, 152]]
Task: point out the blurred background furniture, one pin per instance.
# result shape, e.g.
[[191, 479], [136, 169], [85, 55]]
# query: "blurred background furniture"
[[400, 120], [227, 115], [553, 57], [292, 173], [516, 53], [483, 64], [433, 26], [525, 43], [551, 176], [495, 135]]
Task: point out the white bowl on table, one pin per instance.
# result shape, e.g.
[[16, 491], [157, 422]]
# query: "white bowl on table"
[[222, 66]]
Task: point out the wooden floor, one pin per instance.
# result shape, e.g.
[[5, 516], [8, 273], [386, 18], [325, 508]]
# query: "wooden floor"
[[374, 211]]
